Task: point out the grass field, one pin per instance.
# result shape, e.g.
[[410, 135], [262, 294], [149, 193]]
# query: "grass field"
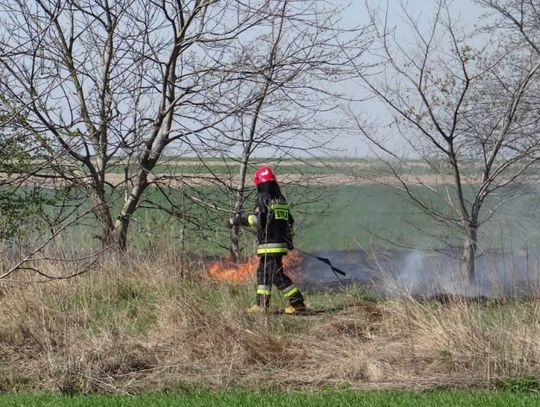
[[125, 327], [327, 218], [248, 399]]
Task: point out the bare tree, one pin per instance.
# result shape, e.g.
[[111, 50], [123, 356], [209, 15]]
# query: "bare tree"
[[110, 84], [34, 213], [294, 75], [287, 82], [291, 74], [516, 21], [465, 111]]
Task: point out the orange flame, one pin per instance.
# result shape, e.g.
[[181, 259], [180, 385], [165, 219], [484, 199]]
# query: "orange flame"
[[227, 270]]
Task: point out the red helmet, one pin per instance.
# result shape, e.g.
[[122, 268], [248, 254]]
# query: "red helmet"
[[263, 174]]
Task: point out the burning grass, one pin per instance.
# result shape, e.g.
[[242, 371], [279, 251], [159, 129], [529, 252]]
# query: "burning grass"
[[227, 270], [118, 330]]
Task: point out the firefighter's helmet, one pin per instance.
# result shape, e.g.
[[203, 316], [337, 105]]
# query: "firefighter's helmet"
[[263, 174]]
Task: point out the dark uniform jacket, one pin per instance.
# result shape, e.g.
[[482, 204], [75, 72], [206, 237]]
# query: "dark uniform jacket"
[[272, 219]]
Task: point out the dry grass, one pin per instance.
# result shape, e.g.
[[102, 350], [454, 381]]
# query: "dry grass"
[[127, 328]]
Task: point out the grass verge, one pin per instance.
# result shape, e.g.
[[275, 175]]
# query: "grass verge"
[[125, 328], [323, 399]]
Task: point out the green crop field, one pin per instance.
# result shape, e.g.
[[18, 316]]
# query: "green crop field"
[[330, 217], [324, 399], [349, 217]]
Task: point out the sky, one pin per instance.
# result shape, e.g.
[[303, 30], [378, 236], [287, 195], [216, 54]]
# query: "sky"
[[465, 12]]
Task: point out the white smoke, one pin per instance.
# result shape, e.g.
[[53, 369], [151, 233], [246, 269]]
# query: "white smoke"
[[426, 274]]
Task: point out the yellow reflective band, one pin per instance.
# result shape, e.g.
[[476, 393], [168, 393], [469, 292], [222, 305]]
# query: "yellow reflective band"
[[272, 250], [291, 292], [279, 206], [263, 292], [252, 220]]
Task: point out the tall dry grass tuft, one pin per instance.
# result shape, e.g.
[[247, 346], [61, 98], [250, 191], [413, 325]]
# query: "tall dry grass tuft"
[[475, 342], [140, 325]]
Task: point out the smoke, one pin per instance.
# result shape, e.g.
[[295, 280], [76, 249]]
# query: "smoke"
[[427, 274]]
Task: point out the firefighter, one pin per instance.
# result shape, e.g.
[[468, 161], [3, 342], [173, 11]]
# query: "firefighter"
[[273, 222]]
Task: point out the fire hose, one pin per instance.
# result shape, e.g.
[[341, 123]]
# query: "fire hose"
[[324, 260]]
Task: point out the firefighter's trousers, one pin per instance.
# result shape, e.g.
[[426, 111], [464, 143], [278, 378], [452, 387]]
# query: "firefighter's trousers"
[[270, 272]]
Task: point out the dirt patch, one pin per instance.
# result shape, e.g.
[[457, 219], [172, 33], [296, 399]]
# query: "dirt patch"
[[205, 179], [194, 180]]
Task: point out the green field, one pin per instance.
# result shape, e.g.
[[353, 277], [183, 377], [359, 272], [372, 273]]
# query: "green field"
[[248, 399], [338, 217], [328, 217]]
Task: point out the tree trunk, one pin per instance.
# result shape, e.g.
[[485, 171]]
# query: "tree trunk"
[[119, 233], [470, 247], [114, 233], [234, 243], [102, 213], [234, 234]]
